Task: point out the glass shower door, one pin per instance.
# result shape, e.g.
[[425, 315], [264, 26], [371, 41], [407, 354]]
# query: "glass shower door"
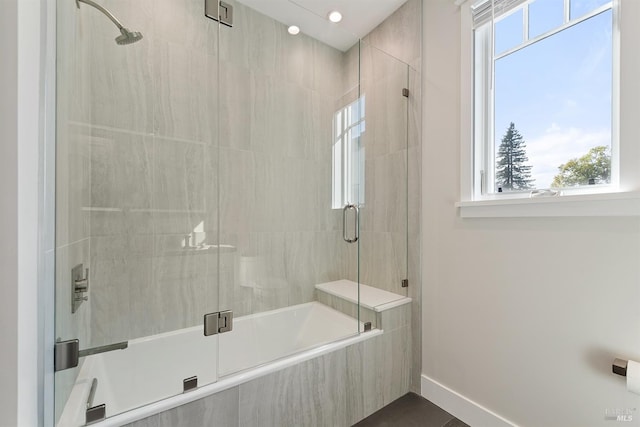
[[278, 96], [384, 91], [137, 205]]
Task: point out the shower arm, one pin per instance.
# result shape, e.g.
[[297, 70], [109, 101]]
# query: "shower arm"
[[103, 10]]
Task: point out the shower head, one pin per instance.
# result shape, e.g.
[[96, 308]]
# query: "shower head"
[[127, 36]]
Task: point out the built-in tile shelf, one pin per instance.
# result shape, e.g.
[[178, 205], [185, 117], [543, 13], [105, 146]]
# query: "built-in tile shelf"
[[372, 298]]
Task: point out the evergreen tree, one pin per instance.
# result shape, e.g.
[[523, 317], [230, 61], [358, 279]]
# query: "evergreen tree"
[[512, 171]]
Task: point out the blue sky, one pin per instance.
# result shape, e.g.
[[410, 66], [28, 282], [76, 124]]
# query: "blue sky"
[[558, 90]]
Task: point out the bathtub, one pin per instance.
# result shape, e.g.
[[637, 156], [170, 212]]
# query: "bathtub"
[[147, 377]]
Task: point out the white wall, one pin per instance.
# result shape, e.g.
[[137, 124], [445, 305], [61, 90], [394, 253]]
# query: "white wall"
[[20, 86], [521, 316]]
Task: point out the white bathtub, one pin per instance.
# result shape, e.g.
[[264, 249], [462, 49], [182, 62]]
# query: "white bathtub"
[[147, 377]]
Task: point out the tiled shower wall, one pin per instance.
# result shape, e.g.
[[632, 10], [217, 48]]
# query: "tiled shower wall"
[[144, 160]]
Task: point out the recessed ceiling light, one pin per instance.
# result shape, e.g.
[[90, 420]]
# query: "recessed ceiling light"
[[335, 16], [293, 30]]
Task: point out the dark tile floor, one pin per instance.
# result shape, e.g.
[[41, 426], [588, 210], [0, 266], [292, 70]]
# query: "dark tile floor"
[[411, 410]]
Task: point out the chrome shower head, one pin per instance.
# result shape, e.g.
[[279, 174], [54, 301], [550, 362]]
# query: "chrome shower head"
[[128, 37]]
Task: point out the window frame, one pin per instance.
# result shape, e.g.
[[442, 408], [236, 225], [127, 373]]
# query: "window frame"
[[345, 162], [623, 200], [484, 98]]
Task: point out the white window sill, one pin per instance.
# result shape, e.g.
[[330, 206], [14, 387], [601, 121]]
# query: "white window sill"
[[601, 205]]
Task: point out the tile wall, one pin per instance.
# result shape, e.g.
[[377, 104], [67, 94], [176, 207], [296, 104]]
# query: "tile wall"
[[145, 165]]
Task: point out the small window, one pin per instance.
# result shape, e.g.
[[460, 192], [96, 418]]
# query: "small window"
[[543, 96], [348, 155]]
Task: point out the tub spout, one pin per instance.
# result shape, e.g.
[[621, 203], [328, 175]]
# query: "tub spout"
[[103, 349]]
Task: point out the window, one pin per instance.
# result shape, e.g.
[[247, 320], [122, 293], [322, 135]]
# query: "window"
[[544, 98], [348, 155]]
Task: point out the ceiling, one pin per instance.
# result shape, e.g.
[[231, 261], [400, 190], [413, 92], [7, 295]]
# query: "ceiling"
[[359, 17]]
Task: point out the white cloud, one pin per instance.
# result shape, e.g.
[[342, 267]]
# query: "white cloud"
[[556, 146]]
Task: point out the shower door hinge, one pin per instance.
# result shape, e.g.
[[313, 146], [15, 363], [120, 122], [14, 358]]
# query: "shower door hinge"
[[405, 92], [66, 355], [219, 11], [405, 283], [218, 323]]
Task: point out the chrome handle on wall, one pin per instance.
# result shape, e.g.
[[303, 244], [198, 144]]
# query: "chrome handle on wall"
[[344, 223]]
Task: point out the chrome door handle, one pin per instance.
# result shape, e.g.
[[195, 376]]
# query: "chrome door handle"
[[344, 223]]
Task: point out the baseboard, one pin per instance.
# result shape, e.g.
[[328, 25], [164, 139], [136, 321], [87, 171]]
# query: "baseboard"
[[461, 407]]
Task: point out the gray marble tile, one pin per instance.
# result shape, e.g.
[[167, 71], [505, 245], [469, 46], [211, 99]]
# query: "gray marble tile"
[[184, 92], [271, 287], [121, 79], [121, 169], [264, 39], [390, 247], [111, 316], [305, 256], [234, 42], [257, 272], [176, 303], [301, 122], [396, 35], [184, 285], [415, 108], [73, 183], [312, 258], [120, 266], [386, 117], [351, 73], [365, 371], [324, 108], [397, 360], [120, 222], [349, 308], [184, 23], [329, 76], [378, 369], [178, 176], [273, 195], [300, 59], [268, 114], [220, 409], [394, 318], [236, 106], [237, 190], [312, 393], [242, 44], [389, 207], [73, 99], [355, 392]]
